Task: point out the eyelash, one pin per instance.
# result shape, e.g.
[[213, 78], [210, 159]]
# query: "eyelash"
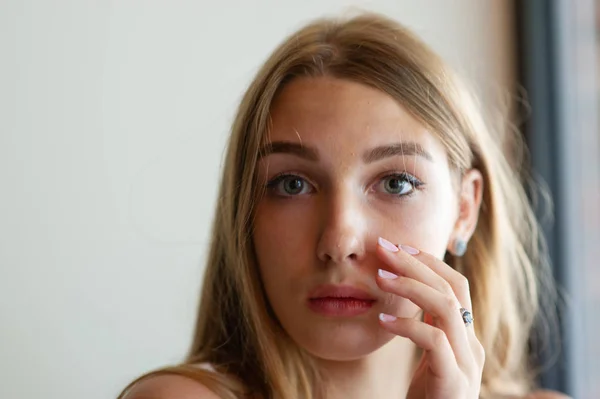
[[403, 176]]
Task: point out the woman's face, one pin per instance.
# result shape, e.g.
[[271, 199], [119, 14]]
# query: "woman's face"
[[346, 165]]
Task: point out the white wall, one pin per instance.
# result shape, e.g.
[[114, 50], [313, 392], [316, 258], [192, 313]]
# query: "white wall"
[[113, 118]]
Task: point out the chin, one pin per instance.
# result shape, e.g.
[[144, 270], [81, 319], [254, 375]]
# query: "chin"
[[341, 339]]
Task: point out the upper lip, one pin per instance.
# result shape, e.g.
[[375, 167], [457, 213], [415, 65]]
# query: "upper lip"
[[340, 291]]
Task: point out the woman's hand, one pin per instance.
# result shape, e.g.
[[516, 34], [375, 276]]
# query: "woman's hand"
[[453, 357]]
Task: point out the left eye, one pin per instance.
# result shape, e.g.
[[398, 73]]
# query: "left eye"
[[400, 184]]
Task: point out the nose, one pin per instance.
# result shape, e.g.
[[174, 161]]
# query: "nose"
[[343, 231]]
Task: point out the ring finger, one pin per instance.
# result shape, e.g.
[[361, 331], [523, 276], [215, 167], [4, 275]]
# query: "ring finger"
[[444, 308]]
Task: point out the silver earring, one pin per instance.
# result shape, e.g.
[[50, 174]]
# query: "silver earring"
[[460, 247]]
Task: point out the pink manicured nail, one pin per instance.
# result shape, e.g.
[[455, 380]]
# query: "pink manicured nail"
[[386, 318], [409, 250], [387, 245], [386, 275]]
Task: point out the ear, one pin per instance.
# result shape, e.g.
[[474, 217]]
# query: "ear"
[[469, 202]]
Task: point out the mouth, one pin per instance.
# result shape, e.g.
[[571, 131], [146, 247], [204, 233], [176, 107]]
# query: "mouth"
[[340, 300]]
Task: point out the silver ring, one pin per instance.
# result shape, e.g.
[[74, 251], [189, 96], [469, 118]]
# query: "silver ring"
[[466, 316]]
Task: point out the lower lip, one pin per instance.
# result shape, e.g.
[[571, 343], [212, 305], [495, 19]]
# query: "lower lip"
[[340, 306]]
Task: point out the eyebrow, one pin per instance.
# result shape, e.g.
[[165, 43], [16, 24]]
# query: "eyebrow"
[[402, 148], [286, 147], [406, 148]]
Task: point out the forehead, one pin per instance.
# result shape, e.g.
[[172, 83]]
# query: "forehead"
[[336, 115]]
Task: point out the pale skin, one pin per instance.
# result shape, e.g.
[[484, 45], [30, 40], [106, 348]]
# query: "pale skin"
[[328, 233], [355, 175]]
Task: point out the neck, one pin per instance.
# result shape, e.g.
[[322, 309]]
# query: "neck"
[[384, 374]]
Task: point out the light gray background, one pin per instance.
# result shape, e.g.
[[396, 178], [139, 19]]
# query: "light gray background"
[[113, 119]]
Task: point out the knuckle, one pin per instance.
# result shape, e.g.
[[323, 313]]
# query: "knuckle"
[[411, 326], [451, 302], [462, 283], [447, 288], [480, 353], [438, 338]]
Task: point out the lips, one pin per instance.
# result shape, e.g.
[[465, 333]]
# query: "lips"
[[340, 291], [340, 300]]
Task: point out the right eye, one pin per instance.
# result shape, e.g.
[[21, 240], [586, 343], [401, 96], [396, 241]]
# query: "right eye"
[[288, 185]]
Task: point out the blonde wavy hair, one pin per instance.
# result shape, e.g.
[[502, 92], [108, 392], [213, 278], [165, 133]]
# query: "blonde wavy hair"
[[236, 330]]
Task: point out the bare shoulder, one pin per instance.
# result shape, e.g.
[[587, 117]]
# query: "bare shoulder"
[[166, 386], [546, 394]]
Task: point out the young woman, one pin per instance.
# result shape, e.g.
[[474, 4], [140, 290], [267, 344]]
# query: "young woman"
[[371, 239]]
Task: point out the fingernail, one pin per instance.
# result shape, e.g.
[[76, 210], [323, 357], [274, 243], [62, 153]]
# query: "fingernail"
[[387, 245], [386, 275], [386, 318], [409, 250]]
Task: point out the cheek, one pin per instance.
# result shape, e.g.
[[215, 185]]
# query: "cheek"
[[284, 240], [425, 224]]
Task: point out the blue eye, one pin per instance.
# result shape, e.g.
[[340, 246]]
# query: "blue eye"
[[400, 184], [288, 185]]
